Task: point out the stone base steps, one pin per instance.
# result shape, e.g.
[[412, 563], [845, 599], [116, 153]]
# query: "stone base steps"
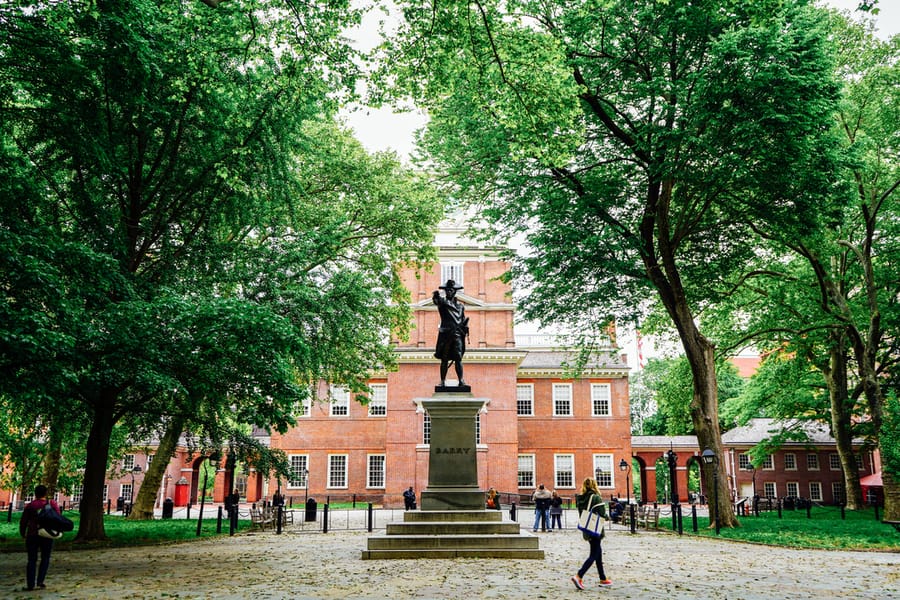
[[453, 534]]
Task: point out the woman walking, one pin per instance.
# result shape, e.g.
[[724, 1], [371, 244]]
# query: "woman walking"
[[590, 497]]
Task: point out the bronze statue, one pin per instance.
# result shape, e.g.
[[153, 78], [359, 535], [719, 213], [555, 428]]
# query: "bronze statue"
[[451, 341]]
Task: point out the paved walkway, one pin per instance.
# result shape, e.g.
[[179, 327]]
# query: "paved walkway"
[[318, 566]]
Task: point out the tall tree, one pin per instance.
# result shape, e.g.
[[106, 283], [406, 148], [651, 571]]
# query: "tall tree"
[[183, 244], [631, 143]]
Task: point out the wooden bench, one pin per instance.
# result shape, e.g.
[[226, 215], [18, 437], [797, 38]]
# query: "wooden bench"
[[260, 518], [647, 517]]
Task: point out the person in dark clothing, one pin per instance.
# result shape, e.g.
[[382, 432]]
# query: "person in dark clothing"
[[409, 499], [34, 541]]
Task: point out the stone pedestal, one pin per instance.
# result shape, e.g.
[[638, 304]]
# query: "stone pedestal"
[[453, 458]]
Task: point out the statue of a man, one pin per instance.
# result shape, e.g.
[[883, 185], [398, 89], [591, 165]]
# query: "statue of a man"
[[451, 341]]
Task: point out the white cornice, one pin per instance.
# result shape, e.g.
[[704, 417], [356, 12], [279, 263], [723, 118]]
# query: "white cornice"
[[562, 373], [472, 356]]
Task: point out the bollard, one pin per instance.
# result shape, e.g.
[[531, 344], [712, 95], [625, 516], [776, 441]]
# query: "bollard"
[[512, 511], [233, 520], [108, 506], [370, 518], [680, 525], [694, 517], [779, 509], [631, 518], [809, 510], [278, 515], [354, 500], [325, 518], [9, 513], [219, 521]]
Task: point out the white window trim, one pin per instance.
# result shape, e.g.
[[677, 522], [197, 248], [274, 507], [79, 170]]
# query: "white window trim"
[[346, 473], [612, 471], [774, 489], [339, 393], [769, 463], [369, 471], [787, 488], [454, 270], [815, 483], [556, 471], [126, 459], [529, 386], [818, 466], [568, 386], [831, 466], [303, 477], [306, 407], [608, 387], [533, 471], [787, 468], [379, 386]]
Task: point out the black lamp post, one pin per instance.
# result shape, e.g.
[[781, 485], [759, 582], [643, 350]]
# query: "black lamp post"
[[709, 458], [214, 462], [306, 490], [626, 468]]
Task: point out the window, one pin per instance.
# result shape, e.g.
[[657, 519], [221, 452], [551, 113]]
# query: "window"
[[303, 408], [452, 270], [340, 402], [603, 470], [837, 491], [859, 461], [562, 399], [790, 462], [150, 459], [600, 400], [299, 471], [375, 473], [525, 400], [128, 463], [106, 492], [744, 461], [564, 470], [812, 462], [426, 430], [125, 492], [526, 470], [769, 489], [77, 492], [793, 489], [337, 471], [834, 461], [378, 400], [815, 491], [769, 463]]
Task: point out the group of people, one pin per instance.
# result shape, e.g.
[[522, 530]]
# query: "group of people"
[[547, 509]]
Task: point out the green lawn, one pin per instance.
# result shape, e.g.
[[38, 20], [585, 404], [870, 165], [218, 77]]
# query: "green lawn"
[[825, 529], [121, 532]]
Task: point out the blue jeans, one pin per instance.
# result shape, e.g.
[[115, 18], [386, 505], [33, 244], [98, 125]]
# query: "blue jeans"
[[595, 557], [540, 516], [33, 544]]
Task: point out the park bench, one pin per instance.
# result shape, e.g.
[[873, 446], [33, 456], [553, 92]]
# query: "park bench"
[[260, 518], [648, 517]]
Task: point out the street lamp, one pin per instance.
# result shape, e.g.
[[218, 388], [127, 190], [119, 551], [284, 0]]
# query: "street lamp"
[[709, 458], [626, 468], [214, 462]]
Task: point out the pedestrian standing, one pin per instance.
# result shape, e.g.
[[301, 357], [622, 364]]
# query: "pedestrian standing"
[[555, 510], [409, 499], [590, 498], [541, 498], [29, 528]]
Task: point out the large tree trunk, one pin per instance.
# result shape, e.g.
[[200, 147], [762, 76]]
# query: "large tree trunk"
[[841, 418], [662, 269], [146, 498], [52, 457], [90, 526]]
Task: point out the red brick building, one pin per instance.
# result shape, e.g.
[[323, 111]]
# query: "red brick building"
[[538, 424]]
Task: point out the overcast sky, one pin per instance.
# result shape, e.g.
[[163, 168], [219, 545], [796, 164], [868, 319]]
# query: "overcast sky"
[[385, 129]]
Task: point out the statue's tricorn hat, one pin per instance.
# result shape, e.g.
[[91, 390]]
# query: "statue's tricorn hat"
[[450, 285]]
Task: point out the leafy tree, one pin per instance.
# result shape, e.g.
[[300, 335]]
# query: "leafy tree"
[[631, 143], [185, 232]]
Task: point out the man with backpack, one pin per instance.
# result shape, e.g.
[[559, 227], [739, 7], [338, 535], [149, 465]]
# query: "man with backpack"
[[30, 529]]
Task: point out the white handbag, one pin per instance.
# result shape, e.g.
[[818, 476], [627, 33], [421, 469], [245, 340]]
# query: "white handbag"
[[591, 522]]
